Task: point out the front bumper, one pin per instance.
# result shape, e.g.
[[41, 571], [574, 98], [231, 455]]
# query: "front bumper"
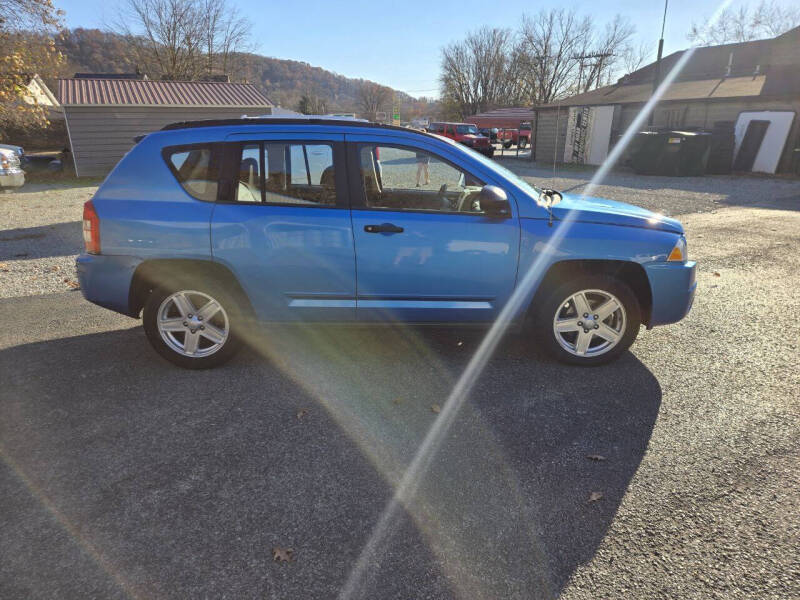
[[673, 286], [12, 179], [106, 280]]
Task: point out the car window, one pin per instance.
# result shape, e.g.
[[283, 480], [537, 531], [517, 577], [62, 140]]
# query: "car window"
[[287, 173], [463, 129], [248, 188], [196, 169], [402, 178]]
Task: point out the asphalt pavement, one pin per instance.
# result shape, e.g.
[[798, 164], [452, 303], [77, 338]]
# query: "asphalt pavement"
[[122, 476]]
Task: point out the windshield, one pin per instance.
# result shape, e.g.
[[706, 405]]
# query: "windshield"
[[467, 129], [526, 187]]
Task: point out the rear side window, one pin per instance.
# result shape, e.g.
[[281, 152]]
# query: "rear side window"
[[286, 173], [197, 169]]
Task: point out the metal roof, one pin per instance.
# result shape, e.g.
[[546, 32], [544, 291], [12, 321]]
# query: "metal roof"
[[137, 92], [509, 112], [683, 90]]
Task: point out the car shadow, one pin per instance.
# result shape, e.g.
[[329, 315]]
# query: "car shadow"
[[59, 239], [147, 479]]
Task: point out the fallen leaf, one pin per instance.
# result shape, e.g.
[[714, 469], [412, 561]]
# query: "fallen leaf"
[[301, 413], [3, 265], [436, 408], [282, 554], [73, 284], [397, 401], [598, 457], [595, 496], [55, 268], [716, 274]]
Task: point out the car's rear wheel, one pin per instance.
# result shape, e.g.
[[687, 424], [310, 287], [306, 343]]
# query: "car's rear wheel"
[[507, 144], [192, 328], [588, 321], [523, 142]]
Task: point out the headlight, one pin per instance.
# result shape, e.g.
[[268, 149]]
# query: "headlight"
[[679, 252]]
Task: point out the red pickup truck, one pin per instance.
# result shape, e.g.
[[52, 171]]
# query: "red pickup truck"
[[520, 137], [464, 133]]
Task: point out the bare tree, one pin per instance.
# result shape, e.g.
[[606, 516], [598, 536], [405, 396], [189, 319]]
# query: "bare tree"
[[767, 19], [184, 39], [481, 72], [551, 40], [226, 36], [555, 53], [372, 98], [634, 57], [603, 54]]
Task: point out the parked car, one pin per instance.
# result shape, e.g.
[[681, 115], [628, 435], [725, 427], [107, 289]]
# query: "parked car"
[[11, 173], [464, 133], [490, 132], [207, 228], [516, 137]]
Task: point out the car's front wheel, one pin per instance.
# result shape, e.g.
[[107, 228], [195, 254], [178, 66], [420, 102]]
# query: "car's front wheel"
[[588, 321], [192, 328]]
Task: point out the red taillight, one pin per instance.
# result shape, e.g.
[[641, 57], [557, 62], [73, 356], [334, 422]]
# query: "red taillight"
[[91, 229]]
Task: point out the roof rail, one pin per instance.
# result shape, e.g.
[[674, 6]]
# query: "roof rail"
[[310, 120]]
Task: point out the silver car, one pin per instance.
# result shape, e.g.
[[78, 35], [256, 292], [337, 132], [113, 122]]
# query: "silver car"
[[11, 173]]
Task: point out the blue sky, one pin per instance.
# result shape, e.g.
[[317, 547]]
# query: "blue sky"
[[398, 43]]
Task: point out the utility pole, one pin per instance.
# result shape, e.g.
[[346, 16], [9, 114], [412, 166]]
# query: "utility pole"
[[600, 58], [657, 69]]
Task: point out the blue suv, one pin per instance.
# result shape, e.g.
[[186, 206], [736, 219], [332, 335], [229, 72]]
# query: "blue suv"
[[206, 228]]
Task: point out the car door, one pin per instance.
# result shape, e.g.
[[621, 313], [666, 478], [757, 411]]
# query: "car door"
[[282, 225], [424, 250]]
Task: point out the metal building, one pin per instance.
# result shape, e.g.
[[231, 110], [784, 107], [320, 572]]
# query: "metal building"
[[749, 90], [105, 114]]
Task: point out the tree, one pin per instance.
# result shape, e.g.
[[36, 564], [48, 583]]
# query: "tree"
[[634, 57], [480, 72], [605, 52], [767, 19], [555, 53], [26, 28], [373, 98], [311, 104], [184, 39], [551, 41]]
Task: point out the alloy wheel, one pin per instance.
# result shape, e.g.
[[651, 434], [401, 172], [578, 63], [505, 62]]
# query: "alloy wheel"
[[193, 323], [589, 323]]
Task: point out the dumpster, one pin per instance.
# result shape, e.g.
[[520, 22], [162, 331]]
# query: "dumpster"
[[670, 152]]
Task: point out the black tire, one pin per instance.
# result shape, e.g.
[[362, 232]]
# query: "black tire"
[[507, 144], [230, 311], [558, 301], [523, 142]]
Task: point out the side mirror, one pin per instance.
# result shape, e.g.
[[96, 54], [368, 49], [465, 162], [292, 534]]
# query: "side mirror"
[[494, 201]]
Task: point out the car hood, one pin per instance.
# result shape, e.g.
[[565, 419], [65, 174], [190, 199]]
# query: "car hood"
[[610, 212]]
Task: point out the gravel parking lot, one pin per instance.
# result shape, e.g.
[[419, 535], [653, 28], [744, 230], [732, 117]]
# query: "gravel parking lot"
[[122, 476]]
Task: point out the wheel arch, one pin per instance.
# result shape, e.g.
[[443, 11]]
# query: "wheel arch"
[[631, 273], [152, 274]]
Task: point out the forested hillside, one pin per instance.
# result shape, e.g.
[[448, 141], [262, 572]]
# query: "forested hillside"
[[283, 81]]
